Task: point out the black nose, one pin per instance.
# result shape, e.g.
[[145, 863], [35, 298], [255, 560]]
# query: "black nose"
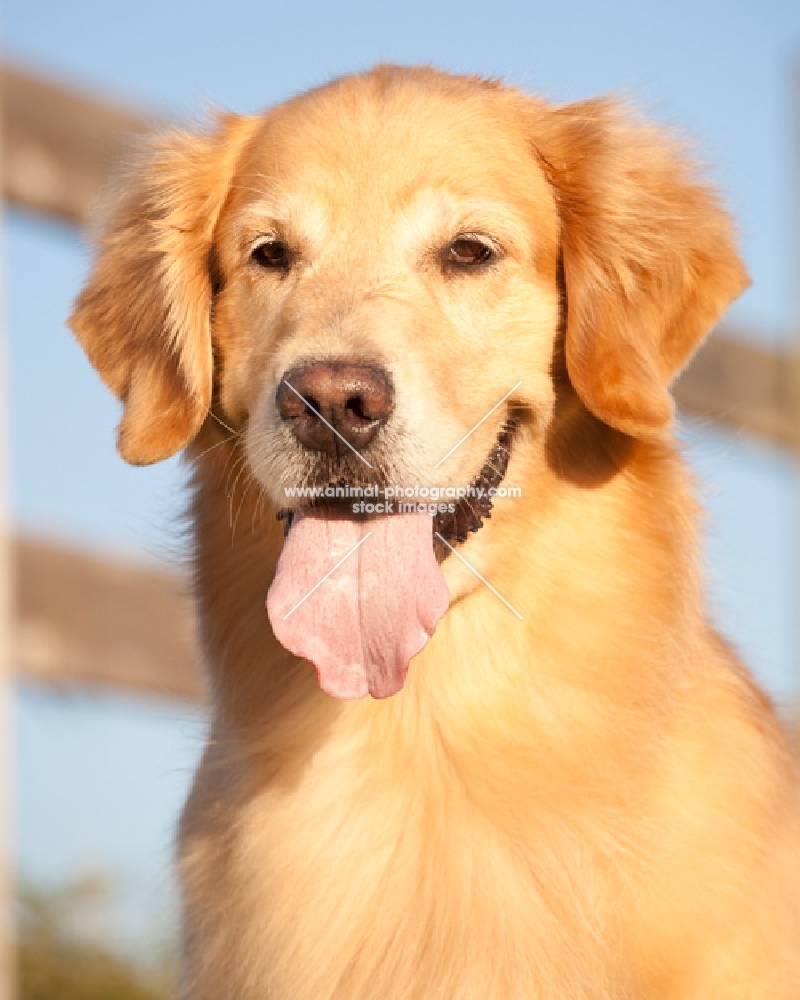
[[354, 399]]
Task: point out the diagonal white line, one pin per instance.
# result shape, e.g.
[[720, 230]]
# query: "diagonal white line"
[[318, 414], [481, 578], [485, 417], [333, 570]]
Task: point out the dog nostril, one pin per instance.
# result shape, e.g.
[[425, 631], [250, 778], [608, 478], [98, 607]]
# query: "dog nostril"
[[313, 407], [356, 406]]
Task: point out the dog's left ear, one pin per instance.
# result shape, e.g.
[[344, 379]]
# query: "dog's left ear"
[[649, 259], [144, 316]]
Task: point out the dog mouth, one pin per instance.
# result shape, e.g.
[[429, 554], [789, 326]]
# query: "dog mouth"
[[359, 595], [451, 527]]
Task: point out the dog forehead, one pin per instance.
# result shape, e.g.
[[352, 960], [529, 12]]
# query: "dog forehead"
[[362, 144]]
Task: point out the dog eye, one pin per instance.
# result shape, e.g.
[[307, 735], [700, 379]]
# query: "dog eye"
[[272, 254], [469, 251]]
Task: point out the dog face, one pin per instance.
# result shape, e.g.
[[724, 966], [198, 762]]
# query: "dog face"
[[391, 244], [391, 280]]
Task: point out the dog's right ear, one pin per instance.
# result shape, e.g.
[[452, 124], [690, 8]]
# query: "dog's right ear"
[[649, 259], [144, 316]]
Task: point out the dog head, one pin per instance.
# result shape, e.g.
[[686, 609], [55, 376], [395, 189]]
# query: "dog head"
[[371, 282]]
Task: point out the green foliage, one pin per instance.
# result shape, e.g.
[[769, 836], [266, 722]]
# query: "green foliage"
[[59, 961]]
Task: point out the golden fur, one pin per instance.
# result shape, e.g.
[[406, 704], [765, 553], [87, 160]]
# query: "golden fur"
[[594, 802]]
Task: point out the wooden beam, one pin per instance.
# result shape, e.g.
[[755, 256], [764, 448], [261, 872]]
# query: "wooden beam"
[[744, 384], [59, 145], [87, 620]]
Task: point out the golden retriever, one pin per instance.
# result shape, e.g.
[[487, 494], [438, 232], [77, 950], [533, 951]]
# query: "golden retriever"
[[418, 285]]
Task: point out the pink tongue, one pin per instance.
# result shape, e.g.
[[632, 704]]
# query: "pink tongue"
[[376, 609]]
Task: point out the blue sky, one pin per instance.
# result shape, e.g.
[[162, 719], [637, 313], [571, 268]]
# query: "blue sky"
[[100, 781]]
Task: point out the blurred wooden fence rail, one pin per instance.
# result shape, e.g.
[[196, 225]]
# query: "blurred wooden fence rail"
[[59, 145], [89, 620], [96, 621]]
